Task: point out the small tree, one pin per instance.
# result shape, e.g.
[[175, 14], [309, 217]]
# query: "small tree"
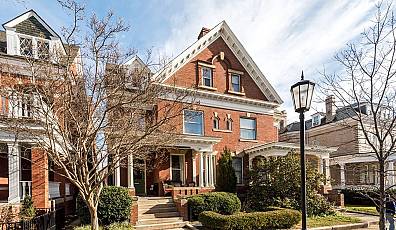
[[226, 178], [27, 210], [275, 181]]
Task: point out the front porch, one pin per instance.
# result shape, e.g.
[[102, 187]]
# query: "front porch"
[[187, 168]]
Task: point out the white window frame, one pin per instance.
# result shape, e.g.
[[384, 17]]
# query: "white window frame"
[[34, 45], [203, 77], [313, 120], [255, 128], [229, 122], [182, 168], [239, 82], [202, 125]]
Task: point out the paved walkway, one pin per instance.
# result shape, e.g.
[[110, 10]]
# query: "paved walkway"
[[365, 218]]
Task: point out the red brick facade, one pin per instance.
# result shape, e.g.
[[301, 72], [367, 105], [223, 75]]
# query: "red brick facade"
[[40, 179]]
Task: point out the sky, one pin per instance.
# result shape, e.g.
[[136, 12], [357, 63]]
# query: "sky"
[[283, 37]]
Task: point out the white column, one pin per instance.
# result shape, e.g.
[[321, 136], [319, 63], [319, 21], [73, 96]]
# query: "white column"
[[390, 173], [214, 169], [14, 172], [210, 171], [117, 174], [130, 172], [327, 169], [201, 162], [342, 172], [206, 170], [194, 169]]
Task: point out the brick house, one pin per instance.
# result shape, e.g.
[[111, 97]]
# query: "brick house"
[[236, 108], [351, 165], [25, 169]]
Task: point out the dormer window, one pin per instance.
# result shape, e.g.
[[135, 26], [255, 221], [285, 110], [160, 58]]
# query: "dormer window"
[[207, 76], [236, 82], [26, 46], [42, 49], [316, 120]]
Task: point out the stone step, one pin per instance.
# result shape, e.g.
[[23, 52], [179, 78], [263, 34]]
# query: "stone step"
[[146, 206], [159, 220], [155, 202], [158, 215], [159, 226], [156, 210]]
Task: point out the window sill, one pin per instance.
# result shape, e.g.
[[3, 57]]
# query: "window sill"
[[222, 130], [207, 87], [236, 93], [193, 134], [248, 140]]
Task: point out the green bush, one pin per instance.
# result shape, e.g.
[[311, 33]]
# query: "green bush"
[[275, 219], [226, 178], [27, 210], [114, 206], [220, 202], [114, 226]]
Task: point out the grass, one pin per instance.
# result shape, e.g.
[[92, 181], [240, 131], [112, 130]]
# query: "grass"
[[115, 226], [331, 220], [363, 209]]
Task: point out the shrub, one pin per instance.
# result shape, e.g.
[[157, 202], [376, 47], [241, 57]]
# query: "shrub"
[[27, 210], [114, 206], [226, 178], [277, 182], [114, 226], [221, 202], [274, 219]]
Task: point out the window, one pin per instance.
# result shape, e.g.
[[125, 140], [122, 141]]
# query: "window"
[[42, 49], [216, 122], [316, 120], [248, 128], [177, 168], [26, 106], [207, 76], [193, 122], [237, 165], [26, 46], [229, 124], [236, 82]]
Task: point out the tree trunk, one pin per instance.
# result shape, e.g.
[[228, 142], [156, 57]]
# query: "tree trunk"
[[93, 211], [382, 195]]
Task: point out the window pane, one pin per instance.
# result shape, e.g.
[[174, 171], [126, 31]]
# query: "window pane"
[[207, 76], [193, 122], [42, 49], [237, 165], [248, 134], [176, 175], [248, 123], [26, 46]]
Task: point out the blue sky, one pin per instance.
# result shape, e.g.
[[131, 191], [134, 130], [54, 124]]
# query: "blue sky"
[[283, 37]]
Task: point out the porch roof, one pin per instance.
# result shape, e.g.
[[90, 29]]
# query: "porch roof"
[[283, 148], [198, 143]]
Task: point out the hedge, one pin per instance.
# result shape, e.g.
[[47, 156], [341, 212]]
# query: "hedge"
[[114, 206], [220, 202], [275, 219]]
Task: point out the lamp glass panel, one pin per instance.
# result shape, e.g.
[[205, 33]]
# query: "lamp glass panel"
[[310, 94], [296, 97]]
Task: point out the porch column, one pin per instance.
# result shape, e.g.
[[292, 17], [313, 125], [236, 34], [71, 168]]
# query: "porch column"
[[194, 169], [210, 170], [390, 173], [342, 173], [130, 172], [206, 170], [327, 170], [321, 168], [201, 169], [14, 169], [117, 174]]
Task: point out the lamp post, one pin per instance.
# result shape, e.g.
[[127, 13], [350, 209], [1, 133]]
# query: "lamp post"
[[302, 96]]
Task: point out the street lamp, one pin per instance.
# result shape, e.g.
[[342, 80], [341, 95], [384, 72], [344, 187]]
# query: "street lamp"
[[302, 96]]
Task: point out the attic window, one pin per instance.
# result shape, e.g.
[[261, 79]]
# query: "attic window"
[[26, 46], [315, 120], [42, 49]]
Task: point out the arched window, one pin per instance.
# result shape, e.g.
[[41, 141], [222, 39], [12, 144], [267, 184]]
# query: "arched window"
[[229, 124], [216, 123]]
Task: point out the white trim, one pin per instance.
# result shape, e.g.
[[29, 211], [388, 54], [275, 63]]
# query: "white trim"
[[233, 71], [182, 169], [206, 65], [221, 30]]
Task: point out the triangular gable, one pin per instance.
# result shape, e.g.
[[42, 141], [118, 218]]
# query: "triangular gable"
[[222, 30], [32, 19]]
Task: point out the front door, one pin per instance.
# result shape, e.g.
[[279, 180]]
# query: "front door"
[[139, 177]]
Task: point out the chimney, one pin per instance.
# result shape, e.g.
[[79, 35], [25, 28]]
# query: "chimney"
[[204, 31], [330, 108]]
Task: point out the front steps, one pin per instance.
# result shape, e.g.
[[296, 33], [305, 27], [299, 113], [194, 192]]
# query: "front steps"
[[155, 213]]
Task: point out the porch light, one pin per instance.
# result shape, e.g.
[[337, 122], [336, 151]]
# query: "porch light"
[[302, 95]]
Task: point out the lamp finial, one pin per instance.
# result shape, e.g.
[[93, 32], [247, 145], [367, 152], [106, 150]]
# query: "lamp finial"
[[302, 74]]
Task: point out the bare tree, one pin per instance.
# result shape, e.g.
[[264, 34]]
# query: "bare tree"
[[90, 110], [365, 88]]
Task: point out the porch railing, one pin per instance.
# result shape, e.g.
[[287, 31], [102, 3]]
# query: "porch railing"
[[54, 189], [25, 189], [185, 191]]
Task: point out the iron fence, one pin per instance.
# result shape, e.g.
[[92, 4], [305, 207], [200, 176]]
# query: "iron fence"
[[45, 219]]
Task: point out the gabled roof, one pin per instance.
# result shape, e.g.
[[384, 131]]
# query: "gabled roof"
[[24, 16], [222, 30]]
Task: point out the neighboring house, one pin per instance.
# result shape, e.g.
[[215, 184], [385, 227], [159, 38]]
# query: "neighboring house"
[[352, 165], [236, 108], [24, 168]]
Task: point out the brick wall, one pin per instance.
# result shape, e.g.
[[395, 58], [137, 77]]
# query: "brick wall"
[[40, 185]]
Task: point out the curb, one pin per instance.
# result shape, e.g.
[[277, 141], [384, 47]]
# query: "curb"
[[347, 226]]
